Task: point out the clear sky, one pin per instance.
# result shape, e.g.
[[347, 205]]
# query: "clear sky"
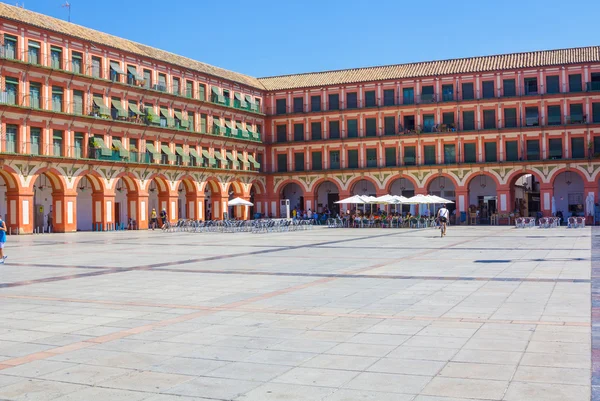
[[275, 37]]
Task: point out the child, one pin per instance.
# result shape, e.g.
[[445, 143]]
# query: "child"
[[2, 240]]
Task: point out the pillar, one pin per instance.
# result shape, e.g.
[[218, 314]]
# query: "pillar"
[[260, 203], [590, 188], [505, 202], [20, 211], [168, 202], [546, 194], [103, 210], [310, 201], [64, 216], [137, 209], [195, 205]]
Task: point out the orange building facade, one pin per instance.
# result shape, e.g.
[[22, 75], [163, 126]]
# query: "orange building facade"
[[97, 131]]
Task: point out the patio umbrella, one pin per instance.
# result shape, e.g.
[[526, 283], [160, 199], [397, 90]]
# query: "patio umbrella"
[[418, 200], [353, 200], [438, 199], [239, 202], [385, 199]]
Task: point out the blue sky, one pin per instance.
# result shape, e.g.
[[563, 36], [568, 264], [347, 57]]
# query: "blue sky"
[[275, 37]]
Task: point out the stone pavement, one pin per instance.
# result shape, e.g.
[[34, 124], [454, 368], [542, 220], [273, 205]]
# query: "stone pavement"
[[487, 313]]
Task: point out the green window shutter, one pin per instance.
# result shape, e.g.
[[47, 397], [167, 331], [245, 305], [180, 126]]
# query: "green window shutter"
[[470, 153], [281, 133], [553, 115], [490, 152], [371, 157], [575, 83], [489, 119], [429, 154], [370, 100], [556, 148], [371, 127], [450, 154], [281, 163], [510, 118], [315, 129], [390, 157], [298, 132], [334, 159], [410, 155], [299, 161], [317, 161], [389, 125], [468, 120], [352, 158], [577, 148], [512, 151], [533, 149], [352, 128], [334, 129]]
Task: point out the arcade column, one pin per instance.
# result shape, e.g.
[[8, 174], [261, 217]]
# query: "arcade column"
[[64, 207], [137, 209], [20, 211]]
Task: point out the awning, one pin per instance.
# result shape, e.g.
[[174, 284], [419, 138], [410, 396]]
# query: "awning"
[[116, 67], [208, 157], [252, 160], [164, 113], [215, 90], [219, 128], [150, 148], [229, 124], [33, 44], [133, 71], [122, 151], [103, 108], [167, 151], [240, 157], [104, 150], [134, 109], [151, 113], [181, 153], [248, 98], [238, 96], [178, 115], [195, 155], [242, 130], [233, 160], [117, 105], [220, 157]]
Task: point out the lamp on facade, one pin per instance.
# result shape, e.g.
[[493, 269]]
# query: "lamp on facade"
[[442, 182], [482, 179], [568, 177], [119, 189], [152, 187], [402, 186]]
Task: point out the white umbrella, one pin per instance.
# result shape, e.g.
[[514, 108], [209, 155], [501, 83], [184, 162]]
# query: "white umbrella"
[[589, 203], [239, 202], [385, 199], [418, 200], [553, 206], [437, 199], [353, 200]]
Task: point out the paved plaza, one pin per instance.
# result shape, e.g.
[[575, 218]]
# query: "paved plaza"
[[487, 313]]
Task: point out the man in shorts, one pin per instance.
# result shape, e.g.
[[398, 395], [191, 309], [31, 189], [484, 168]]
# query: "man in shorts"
[[2, 240], [443, 215], [153, 219]]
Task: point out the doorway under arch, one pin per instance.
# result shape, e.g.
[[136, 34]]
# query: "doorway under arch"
[[483, 197], [327, 193], [569, 194]]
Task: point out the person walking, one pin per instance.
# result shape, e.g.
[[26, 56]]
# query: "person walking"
[[2, 240], [163, 218], [153, 219], [443, 214]]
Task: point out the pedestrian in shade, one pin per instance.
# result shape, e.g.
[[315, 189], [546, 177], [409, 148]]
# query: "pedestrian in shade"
[[2, 240]]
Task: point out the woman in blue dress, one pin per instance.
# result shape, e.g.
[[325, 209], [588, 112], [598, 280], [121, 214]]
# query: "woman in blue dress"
[[2, 240]]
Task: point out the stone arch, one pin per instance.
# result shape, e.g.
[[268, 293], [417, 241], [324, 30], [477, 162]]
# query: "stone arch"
[[131, 181], [55, 178], [474, 174], [352, 184], [259, 187], [237, 187], [326, 192], [455, 182], [188, 182], [161, 181], [279, 186], [518, 195], [212, 184], [518, 173], [575, 170], [482, 193], [95, 179], [396, 178], [569, 192], [10, 177]]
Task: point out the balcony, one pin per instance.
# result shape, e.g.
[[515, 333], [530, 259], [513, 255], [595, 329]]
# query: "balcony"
[[593, 86]]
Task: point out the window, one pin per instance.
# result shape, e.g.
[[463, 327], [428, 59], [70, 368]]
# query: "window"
[[35, 90], [57, 98], [281, 106], [315, 130], [371, 157], [490, 152], [34, 138], [96, 67], [389, 125], [575, 83], [176, 86], [10, 46], [510, 118], [317, 160], [448, 119], [115, 71], [533, 149], [77, 62], [428, 123], [57, 142], [577, 148], [351, 100], [532, 118], [315, 103], [467, 91], [281, 133], [33, 52], [298, 105], [299, 161], [388, 97], [162, 83], [489, 119], [470, 153], [468, 120], [488, 89], [390, 157], [429, 154], [554, 115], [147, 79], [555, 148], [11, 138], [334, 129], [510, 88], [189, 89], [594, 84], [202, 92], [449, 154], [334, 101], [78, 148], [56, 57], [531, 86], [552, 84], [298, 132], [576, 114], [596, 146], [447, 92], [77, 102], [334, 159], [427, 95], [410, 156], [281, 163], [370, 99], [408, 96], [191, 121], [371, 126], [203, 122], [352, 158], [352, 128], [596, 112], [12, 89], [512, 151]]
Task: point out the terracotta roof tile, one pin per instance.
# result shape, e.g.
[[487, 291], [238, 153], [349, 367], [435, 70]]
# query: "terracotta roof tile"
[[87, 34], [432, 68]]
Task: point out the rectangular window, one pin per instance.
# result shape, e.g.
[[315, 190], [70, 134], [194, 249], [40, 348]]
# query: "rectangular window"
[[176, 86], [334, 129], [390, 157], [299, 161], [56, 57], [552, 84], [371, 126], [596, 146], [370, 100], [96, 67], [408, 96], [281, 107], [448, 119], [77, 102], [429, 154], [371, 157], [57, 142], [556, 148], [467, 91], [470, 153], [162, 83], [281, 133], [334, 101], [427, 94], [596, 112], [468, 120], [191, 121], [57, 98], [10, 46], [298, 132], [533, 149], [450, 154], [447, 92], [576, 114], [317, 161], [282, 163], [34, 138], [577, 148], [11, 138], [298, 105], [575, 83], [488, 89], [510, 88], [553, 115], [351, 100], [315, 131], [490, 152], [315, 103], [510, 118], [532, 118], [531, 86], [352, 158], [189, 89], [352, 128], [594, 84], [147, 79], [35, 90], [77, 62], [512, 151], [334, 159], [428, 123], [389, 125], [12, 90], [115, 71], [388, 97], [410, 156], [489, 119], [33, 52], [202, 92], [203, 122], [78, 148]]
